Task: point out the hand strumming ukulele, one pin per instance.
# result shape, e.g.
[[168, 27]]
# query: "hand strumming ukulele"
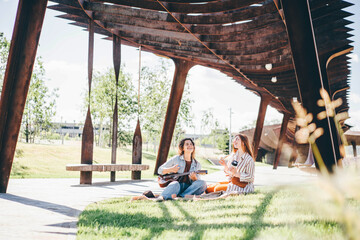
[[166, 179]]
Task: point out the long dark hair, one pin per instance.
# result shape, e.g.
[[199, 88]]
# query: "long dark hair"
[[245, 144], [181, 147]]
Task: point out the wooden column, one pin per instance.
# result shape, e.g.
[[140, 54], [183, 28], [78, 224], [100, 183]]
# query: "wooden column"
[[87, 141], [137, 151], [294, 154], [353, 143], [182, 68], [325, 60], [265, 99], [281, 139], [24, 43], [309, 75], [137, 139], [117, 63]]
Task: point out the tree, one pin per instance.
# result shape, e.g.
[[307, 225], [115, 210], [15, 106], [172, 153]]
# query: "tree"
[[103, 93], [209, 124], [155, 91], [223, 141], [207, 120], [4, 53], [40, 104]]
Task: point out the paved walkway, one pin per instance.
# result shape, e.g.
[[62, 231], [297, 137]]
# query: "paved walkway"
[[48, 208]]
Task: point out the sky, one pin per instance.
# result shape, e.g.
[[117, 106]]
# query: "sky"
[[63, 48]]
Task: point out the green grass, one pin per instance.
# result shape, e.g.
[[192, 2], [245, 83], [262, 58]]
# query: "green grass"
[[268, 214], [49, 161]]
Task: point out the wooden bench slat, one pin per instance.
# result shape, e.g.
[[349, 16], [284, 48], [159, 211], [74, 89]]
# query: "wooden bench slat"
[[106, 167]]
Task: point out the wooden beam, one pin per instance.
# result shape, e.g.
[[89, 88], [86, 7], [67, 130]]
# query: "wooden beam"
[[24, 43], [182, 68], [211, 7], [281, 139], [309, 74], [141, 13], [265, 99]]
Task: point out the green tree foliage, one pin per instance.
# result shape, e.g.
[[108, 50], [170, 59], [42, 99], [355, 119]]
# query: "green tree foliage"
[[208, 121], [4, 52], [223, 141], [40, 104], [103, 93], [210, 124], [155, 91]]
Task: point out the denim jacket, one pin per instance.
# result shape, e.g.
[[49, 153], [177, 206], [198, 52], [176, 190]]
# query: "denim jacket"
[[179, 159]]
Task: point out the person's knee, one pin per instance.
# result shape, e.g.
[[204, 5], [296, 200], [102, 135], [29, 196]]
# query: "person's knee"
[[174, 184], [172, 188], [220, 187], [201, 184]]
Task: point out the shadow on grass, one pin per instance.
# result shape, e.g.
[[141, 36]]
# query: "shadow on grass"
[[148, 156], [155, 226], [190, 218], [19, 171], [153, 232], [257, 223]]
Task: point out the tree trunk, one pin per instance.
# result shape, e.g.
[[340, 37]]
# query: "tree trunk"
[[27, 131], [154, 143], [100, 134], [110, 132]]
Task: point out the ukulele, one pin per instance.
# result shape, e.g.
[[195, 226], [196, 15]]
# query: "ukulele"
[[166, 179]]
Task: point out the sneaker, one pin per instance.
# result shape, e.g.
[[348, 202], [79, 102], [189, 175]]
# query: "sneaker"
[[149, 194]]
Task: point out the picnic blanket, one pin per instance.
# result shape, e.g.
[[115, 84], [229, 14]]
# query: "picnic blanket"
[[148, 195]]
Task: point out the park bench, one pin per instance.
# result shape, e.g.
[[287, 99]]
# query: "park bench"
[[87, 169]]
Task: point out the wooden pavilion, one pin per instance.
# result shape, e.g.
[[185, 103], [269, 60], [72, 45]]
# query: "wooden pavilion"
[[281, 50]]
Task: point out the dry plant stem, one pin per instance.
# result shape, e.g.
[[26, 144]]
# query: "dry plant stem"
[[319, 159]]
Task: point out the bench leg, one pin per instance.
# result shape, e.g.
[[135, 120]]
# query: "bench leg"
[[85, 177], [135, 175], [112, 177]]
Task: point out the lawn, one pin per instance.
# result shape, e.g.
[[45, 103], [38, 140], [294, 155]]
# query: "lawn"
[[49, 161], [267, 214]]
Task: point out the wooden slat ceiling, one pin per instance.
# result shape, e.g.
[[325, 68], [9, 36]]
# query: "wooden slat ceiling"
[[237, 37]]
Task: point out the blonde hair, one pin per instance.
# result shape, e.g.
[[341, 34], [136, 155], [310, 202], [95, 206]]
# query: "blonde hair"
[[181, 147]]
